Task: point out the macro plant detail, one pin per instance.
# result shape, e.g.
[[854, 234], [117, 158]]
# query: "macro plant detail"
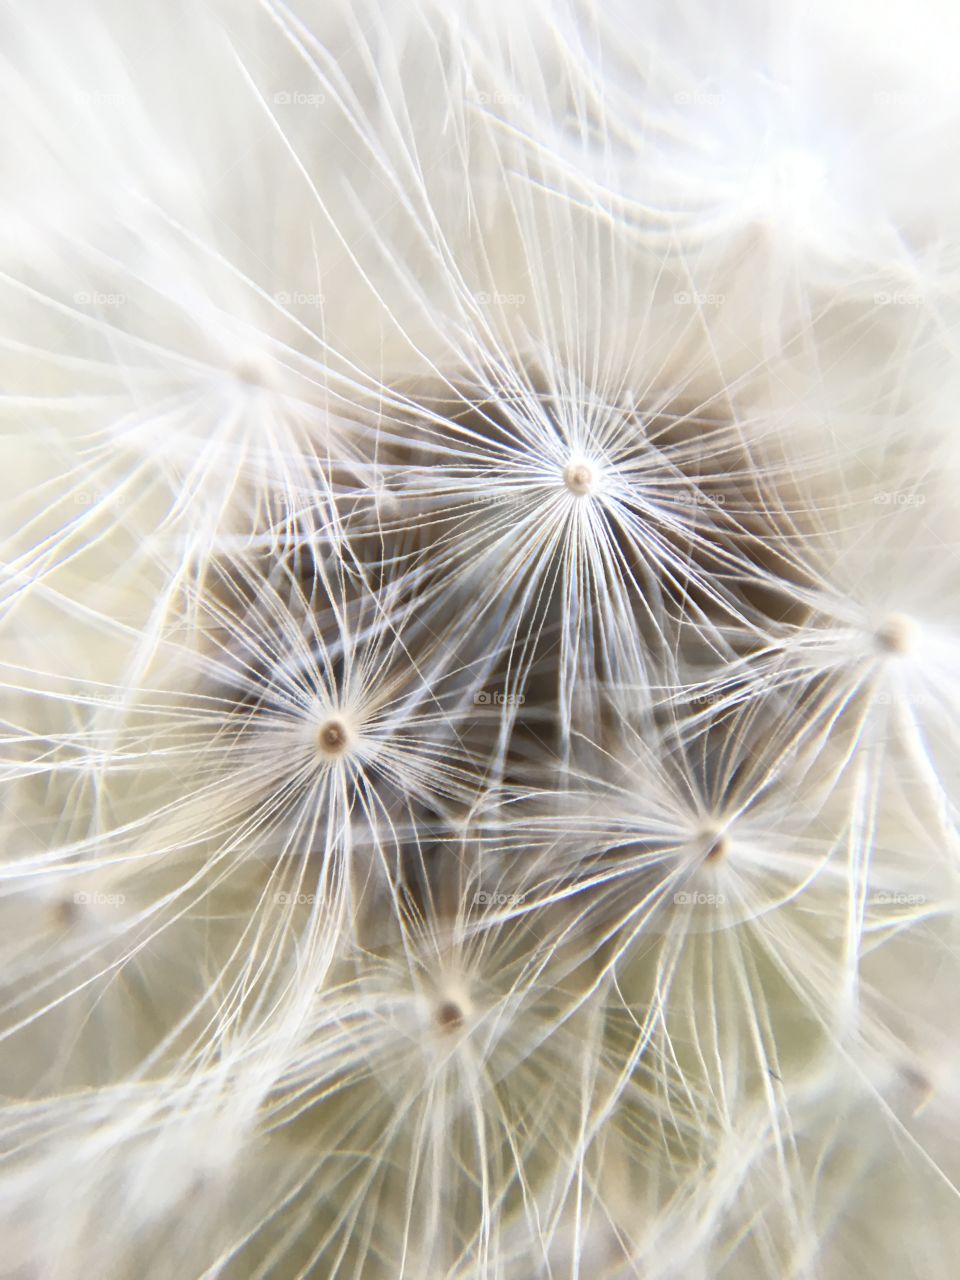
[[479, 641]]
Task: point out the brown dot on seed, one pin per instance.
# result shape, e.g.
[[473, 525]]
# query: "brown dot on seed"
[[332, 738], [252, 370], [65, 913], [449, 1016], [717, 849], [916, 1080], [714, 843], [897, 634]]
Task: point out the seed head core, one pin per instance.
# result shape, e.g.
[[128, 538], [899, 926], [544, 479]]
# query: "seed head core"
[[449, 1016], [253, 369], [580, 478], [332, 738], [715, 844], [896, 635], [65, 913]]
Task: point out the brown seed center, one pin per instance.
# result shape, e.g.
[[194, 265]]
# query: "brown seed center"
[[714, 842], [332, 737], [65, 913], [717, 849], [449, 1016]]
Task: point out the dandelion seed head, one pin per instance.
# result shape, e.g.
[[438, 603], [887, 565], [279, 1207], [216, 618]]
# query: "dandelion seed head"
[[393, 670]]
